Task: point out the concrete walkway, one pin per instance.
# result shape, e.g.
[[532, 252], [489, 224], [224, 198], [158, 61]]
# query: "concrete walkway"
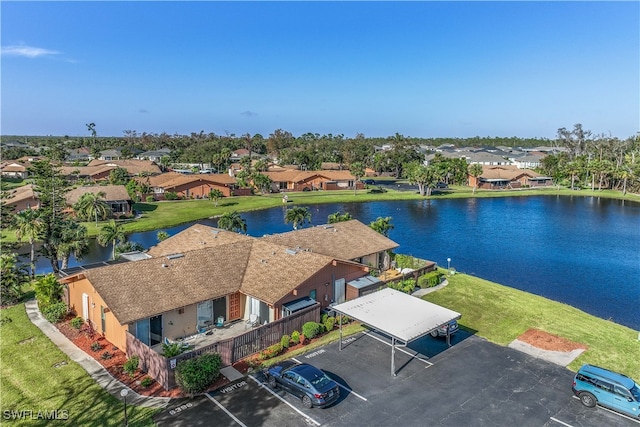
[[420, 292], [93, 368]]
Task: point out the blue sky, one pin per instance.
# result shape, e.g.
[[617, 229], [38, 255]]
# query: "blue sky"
[[423, 69]]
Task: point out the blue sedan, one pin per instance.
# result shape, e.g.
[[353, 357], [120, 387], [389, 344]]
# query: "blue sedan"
[[304, 381]]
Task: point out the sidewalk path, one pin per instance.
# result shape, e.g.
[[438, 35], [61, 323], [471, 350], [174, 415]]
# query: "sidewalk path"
[[93, 368], [420, 292]]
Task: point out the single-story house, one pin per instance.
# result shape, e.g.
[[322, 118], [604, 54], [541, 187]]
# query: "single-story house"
[[296, 180], [116, 196], [14, 170], [180, 289], [22, 198], [508, 176], [133, 166], [87, 173], [193, 186]]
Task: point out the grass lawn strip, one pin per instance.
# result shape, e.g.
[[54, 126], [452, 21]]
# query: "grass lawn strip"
[[36, 376], [501, 314]]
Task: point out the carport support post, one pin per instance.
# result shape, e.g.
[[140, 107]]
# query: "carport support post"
[[393, 356], [340, 345]]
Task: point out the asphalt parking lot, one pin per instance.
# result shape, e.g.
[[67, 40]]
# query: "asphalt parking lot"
[[472, 383]]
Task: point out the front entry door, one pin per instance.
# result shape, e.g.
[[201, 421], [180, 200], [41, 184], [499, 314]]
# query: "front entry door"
[[234, 306], [155, 330]]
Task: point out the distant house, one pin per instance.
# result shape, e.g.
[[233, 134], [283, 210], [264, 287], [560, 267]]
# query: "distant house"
[[295, 180], [193, 186], [501, 177], [528, 161], [81, 154], [14, 169], [115, 196], [23, 197], [133, 166], [154, 155]]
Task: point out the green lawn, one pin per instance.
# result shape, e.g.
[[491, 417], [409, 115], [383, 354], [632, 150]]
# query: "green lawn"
[[501, 314], [158, 215], [29, 380]]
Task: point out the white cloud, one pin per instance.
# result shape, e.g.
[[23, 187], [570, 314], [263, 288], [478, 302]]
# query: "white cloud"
[[27, 51]]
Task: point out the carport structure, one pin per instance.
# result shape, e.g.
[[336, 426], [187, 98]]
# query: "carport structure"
[[404, 317]]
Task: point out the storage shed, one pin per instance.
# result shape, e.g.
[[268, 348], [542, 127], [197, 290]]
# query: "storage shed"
[[363, 286]]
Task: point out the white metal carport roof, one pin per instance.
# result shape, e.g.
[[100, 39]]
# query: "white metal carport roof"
[[404, 317]]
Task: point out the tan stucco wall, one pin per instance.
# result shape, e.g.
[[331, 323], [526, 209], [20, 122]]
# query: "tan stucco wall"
[[114, 332], [183, 324]]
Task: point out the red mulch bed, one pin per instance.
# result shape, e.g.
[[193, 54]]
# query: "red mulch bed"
[[114, 365], [546, 341]]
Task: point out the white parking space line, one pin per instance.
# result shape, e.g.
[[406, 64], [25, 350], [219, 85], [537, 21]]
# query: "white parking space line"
[[413, 356], [560, 422], [614, 412], [225, 410], [290, 405], [340, 385]]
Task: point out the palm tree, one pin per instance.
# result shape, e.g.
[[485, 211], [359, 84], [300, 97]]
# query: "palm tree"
[[338, 217], [357, 170], [29, 224], [74, 242], [475, 171], [382, 225], [215, 195], [91, 205], [13, 277], [297, 215], [111, 234], [231, 221]]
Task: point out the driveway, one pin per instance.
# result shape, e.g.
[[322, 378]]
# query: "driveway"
[[473, 383]]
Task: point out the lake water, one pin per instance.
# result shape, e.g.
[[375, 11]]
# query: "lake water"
[[583, 251]]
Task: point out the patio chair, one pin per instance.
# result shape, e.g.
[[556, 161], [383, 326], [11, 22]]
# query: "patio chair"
[[252, 321]]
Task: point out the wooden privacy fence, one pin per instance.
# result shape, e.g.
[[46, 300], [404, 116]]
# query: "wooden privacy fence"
[[231, 350]]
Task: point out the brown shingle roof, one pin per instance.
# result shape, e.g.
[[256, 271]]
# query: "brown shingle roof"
[[85, 170], [346, 240], [133, 166], [301, 176], [506, 172], [173, 179], [137, 290], [112, 192], [23, 192], [196, 237]]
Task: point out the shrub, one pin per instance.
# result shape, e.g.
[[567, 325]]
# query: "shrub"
[[55, 312], [48, 291], [285, 340], [271, 351], [131, 366], [172, 350], [329, 323], [77, 322], [430, 279], [194, 375], [324, 317], [310, 329], [146, 382], [295, 337], [171, 195], [405, 286], [96, 346], [150, 199], [407, 261], [88, 330], [106, 355], [343, 320]]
